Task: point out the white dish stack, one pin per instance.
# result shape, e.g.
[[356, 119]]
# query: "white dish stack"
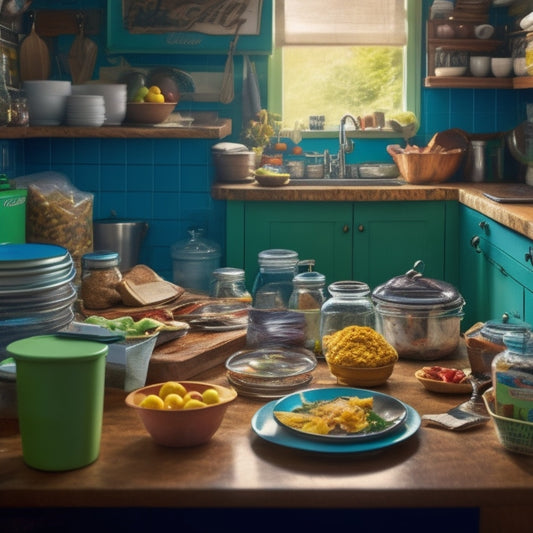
[[85, 110], [115, 98]]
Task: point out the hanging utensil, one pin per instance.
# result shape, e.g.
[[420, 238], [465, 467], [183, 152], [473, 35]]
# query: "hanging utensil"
[[34, 56], [227, 91], [82, 55]]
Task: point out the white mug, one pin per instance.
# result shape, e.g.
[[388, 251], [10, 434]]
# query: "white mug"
[[480, 66], [501, 66]]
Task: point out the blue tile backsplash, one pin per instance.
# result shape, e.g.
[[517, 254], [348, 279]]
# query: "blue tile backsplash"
[[167, 182]]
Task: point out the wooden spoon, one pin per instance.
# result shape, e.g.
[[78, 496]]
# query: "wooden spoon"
[[34, 57]]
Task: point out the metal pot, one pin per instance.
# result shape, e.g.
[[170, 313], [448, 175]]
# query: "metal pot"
[[233, 162]]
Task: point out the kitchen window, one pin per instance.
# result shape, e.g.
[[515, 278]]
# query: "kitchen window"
[[339, 57]]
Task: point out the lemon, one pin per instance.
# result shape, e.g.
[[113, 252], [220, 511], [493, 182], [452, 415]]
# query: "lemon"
[[173, 401], [172, 387], [210, 396], [152, 401], [194, 404]]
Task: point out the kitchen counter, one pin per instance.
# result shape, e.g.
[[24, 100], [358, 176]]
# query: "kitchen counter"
[[518, 217], [434, 468]]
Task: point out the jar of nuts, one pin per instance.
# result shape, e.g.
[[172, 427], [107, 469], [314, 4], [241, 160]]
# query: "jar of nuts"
[[99, 279]]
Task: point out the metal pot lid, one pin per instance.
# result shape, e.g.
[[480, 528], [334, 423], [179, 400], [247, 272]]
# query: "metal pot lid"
[[494, 330], [412, 289]]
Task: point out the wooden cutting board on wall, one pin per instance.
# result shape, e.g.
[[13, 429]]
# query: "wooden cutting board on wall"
[[34, 57]]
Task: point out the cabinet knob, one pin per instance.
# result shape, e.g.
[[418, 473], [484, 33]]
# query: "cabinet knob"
[[345, 228], [529, 256], [360, 228], [474, 242], [484, 225]]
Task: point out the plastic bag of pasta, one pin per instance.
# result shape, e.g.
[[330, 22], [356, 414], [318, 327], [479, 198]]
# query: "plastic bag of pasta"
[[58, 213]]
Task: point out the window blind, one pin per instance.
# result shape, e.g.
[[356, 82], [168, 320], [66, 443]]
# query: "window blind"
[[341, 22]]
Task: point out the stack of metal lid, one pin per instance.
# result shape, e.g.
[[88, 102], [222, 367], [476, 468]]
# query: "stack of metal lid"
[[36, 291]]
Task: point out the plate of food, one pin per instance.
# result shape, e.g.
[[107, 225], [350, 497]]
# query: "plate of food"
[[340, 414], [444, 380]]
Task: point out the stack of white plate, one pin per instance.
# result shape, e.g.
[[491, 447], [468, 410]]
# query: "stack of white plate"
[[36, 291], [115, 98], [85, 110]]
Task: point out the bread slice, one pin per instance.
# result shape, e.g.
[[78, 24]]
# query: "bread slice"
[[142, 286]]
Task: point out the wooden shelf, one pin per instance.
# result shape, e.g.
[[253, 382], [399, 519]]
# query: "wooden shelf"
[[523, 82], [220, 129], [468, 82]]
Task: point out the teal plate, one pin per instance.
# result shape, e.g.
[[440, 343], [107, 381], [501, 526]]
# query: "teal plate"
[[265, 426]]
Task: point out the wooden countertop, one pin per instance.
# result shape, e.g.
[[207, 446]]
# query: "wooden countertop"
[[518, 217], [238, 469]]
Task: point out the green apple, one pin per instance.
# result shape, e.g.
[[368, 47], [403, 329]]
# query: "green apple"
[[140, 94]]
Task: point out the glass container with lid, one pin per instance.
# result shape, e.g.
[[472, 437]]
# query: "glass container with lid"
[[512, 377], [99, 279], [419, 316], [228, 282], [307, 297]]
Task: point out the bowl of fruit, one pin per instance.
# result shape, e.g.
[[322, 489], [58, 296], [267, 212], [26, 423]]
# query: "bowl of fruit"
[[149, 106], [181, 413]]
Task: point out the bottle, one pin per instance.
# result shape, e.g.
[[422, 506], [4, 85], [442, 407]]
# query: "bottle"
[[100, 276], [350, 305], [272, 286], [307, 297], [5, 99], [229, 282], [512, 377]]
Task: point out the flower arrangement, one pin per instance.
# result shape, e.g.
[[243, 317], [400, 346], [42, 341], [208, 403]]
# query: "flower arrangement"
[[259, 132]]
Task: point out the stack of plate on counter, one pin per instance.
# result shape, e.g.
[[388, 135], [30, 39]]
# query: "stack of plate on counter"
[[36, 291], [85, 110]]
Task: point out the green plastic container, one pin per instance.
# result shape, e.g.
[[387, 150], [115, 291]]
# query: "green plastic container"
[[60, 398], [12, 213]]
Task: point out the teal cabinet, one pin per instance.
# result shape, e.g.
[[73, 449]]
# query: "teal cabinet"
[[495, 275], [365, 241]]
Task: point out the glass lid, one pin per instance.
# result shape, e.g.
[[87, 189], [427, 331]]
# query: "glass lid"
[[494, 330]]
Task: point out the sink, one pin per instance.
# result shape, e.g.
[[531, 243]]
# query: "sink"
[[347, 182]]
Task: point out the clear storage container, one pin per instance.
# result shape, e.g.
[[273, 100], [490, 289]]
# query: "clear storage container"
[[228, 282]]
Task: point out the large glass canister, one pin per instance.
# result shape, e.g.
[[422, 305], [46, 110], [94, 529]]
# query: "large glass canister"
[[307, 297], [512, 377], [272, 286], [350, 305]]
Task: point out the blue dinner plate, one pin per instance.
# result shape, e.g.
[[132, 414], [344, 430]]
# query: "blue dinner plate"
[[387, 407], [266, 427]]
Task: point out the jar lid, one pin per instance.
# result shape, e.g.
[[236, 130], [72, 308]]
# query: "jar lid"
[[196, 248], [413, 290], [494, 330], [228, 273], [519, 342], [349, 288], [309, 279], [277, 257], [100, 259]]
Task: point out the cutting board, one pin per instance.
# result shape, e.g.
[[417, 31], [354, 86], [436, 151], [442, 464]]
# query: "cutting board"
[[512, 194], [196, 352]]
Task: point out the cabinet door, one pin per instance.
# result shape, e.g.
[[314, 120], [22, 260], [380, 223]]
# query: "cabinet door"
[[528, 306], [316, 230], [389, 237]]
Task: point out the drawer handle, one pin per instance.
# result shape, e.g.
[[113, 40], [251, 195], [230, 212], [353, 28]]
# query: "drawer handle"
[[474, 242], [529, 255], [484, 226]]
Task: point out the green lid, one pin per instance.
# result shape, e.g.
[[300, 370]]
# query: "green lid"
[[55, 349]]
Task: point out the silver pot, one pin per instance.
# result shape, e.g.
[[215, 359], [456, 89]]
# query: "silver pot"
[[233, 162]]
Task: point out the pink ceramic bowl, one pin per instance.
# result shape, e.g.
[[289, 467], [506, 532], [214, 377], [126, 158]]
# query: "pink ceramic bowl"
[[182, 427]]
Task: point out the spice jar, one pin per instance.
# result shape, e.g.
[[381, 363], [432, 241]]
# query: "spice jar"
[[529, 52], [350, 305], [512, 377], [229, 282], [307, 297], [99, 279]]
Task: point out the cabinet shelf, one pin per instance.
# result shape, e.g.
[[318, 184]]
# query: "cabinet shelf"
[[469, 82]]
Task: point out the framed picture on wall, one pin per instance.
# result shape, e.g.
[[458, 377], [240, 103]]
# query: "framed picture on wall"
[[189, 26]]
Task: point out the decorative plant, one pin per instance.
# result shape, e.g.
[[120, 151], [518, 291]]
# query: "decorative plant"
[[259, 132]]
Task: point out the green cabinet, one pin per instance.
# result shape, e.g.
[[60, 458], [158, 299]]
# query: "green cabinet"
[[365, 241], [496, 275]]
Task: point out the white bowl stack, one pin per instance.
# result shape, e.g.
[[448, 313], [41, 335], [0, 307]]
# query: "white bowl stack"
[[47, 100], [85, 110], [115, 98]]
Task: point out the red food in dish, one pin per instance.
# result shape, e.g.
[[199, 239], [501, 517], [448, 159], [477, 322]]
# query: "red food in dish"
[[447, 375]]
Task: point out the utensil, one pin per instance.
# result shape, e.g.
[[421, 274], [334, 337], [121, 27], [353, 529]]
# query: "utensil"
[[34, 56], [458, 418], [82, 55]]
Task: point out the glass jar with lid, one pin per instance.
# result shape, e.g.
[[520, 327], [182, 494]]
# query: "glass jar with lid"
[[350, 305], [228, 282], [512, 377], [100, 276], [307, 297]]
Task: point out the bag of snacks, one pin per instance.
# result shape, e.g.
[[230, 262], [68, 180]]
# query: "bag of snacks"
[[58, 213]]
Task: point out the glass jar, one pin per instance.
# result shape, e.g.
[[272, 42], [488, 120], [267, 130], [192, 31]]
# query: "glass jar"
[[350, 305], [229, 282], [19, 111], [529, 52], [5, 99], [512, 377], [307, 297], [272, 286], [100, 276]]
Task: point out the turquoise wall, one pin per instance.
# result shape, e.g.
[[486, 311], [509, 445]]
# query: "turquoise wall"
[[167, 181]]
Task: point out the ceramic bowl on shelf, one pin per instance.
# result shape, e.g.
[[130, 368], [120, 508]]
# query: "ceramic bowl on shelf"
[[148, 112], [501, 67], [450, 71], [182, 427]]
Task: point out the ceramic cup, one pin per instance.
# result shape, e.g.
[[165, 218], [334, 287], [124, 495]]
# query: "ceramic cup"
[[484, 31], [519, 66], [480, 66], [501, 66]]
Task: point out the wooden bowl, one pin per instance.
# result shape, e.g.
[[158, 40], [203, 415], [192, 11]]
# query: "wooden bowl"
[[443, 387], [428, 167], [272, 180], [361, 376], [148, 112]]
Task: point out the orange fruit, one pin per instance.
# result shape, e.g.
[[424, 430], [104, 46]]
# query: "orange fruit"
[[297, 150], [280, 147]]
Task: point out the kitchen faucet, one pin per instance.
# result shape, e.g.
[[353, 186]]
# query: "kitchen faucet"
[[345, 144]]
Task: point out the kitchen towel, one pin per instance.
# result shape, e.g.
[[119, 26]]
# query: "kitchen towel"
[[251, 95]]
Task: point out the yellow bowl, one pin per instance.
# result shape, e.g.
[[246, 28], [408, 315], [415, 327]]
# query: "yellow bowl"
[[182, 427], [148, 112], [361, 376]]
